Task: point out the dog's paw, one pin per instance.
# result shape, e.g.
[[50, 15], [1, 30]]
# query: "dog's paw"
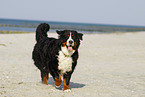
[[68, 90], [57, 86]]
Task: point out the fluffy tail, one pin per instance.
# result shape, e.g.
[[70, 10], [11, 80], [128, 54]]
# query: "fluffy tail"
[[41, 31]]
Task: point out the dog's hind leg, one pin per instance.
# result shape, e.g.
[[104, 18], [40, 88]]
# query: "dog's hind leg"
[[44, 77]]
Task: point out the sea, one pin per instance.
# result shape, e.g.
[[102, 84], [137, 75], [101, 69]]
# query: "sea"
[[31, 25]]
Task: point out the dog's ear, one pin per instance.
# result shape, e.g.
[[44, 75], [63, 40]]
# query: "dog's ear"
[[80, 35], [60, 32]]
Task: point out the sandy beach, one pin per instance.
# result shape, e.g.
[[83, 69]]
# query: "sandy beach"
[[110, 65]]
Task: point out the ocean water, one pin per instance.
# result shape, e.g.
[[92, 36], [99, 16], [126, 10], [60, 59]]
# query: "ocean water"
[[30, 26]]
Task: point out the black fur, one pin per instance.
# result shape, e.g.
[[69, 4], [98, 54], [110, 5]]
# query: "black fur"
[[46, 51]]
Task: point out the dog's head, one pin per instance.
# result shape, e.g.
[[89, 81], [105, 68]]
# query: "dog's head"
[[70, 39]]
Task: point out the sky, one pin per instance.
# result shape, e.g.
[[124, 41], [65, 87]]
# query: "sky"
[[122, 12]]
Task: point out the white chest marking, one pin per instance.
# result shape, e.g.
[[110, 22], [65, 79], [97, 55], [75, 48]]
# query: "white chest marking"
[[65, 60]]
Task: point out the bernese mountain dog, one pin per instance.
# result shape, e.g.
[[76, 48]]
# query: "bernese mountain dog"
[[56, 56]]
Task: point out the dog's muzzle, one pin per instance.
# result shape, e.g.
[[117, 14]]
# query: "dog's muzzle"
[[70, 44]]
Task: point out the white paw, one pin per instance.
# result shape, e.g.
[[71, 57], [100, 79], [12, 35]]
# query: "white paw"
[[68, 90], [57, 86]]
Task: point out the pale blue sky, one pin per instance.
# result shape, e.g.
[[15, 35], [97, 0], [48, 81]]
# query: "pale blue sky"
[[124, 12]]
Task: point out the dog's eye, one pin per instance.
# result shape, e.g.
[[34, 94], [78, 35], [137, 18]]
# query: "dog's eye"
[[68, 35], [72, 35]]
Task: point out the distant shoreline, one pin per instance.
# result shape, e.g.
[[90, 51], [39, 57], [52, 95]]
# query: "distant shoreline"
[[27, 32], [14, 32], [30, 25]]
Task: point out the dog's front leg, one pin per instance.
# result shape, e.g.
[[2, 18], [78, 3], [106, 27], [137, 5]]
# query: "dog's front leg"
[[56, 76], [66, 79], [58, 81]]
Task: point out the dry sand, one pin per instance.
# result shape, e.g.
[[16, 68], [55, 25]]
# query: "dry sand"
[[110, 65]]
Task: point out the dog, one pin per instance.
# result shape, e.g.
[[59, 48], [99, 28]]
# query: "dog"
[[56, 56]]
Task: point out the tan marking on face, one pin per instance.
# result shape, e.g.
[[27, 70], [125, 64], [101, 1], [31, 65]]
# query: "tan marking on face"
[[63, 44], [75, 45]]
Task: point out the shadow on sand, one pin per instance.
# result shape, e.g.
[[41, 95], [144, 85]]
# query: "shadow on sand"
[[72, 84]]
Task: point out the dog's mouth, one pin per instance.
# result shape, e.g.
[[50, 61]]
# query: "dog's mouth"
[[70, 48]]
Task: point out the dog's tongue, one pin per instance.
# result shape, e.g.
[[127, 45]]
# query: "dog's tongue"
[[70, 48]]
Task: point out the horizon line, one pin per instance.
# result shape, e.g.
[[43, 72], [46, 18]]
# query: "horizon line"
[[99, 24]]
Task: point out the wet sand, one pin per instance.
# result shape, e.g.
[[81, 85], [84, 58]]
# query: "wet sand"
[[110, 65]]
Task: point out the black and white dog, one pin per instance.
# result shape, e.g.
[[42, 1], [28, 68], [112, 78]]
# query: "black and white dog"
[[56, 56]]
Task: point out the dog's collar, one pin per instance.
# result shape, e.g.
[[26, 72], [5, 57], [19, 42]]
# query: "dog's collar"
[[65, 54]]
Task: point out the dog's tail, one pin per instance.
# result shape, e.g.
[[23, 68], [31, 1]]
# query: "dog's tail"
[[41, 31]]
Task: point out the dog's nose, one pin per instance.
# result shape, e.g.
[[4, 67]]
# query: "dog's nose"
[[70, 42]]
